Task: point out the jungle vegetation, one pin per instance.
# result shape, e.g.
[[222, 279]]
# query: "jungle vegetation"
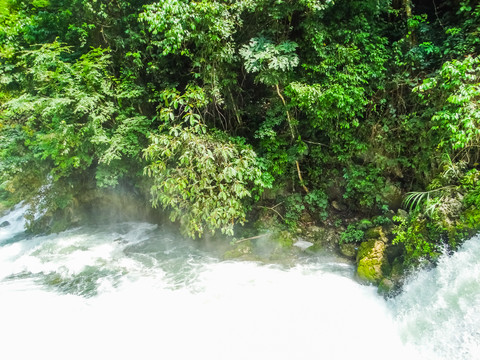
[[217, 107]]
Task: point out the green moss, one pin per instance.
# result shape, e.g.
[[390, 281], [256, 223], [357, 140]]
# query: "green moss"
[[60, 224], [315, 248], [368, 271], [6, 203], [364, 249], [3, 209], [371, 261], [374, 233], [284, 239]]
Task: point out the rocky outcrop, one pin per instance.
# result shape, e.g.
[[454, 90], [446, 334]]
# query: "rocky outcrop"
[[242, 250], [4, 224], [97, 206], [392, 195], [372, 262], [349, 250], [322, 238], [268, 247]]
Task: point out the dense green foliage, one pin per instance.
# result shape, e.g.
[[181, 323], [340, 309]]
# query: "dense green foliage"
[[217, 106]]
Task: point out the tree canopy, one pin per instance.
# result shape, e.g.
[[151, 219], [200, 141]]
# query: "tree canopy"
[[217, 105]]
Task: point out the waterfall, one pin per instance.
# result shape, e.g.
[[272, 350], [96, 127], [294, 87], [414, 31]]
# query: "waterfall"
[[12, 223], [439, 310], [136, 291]]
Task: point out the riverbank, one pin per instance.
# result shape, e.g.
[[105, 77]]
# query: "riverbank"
[[370, 243]]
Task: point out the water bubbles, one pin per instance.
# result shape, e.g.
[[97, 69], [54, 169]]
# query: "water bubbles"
[[439, 310], [12, 224], [133, 290]]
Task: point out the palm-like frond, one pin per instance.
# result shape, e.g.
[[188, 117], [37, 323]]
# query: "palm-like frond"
[[414, 199]]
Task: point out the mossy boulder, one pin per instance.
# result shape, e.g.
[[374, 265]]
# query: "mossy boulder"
[[372, 261]]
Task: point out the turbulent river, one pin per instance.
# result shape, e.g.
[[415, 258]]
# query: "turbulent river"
[[136, 291]]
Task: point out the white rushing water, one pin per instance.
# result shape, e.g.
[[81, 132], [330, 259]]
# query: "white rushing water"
[[134, 291]]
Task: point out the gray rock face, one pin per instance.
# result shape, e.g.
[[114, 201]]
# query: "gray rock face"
[[4, 224], [322, 237]]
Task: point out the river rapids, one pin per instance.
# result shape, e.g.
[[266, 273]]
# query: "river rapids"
[[136, 291]]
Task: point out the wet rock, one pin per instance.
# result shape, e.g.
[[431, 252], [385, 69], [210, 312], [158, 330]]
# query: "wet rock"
[[241, 250], [349, 250], [4, 224], [397, 273], [121, 241], [386, 287], [284, 239], [281, 247], [372, 261], [3, 210], [394, 252], [323, 238], [392, 284], [267, 221]]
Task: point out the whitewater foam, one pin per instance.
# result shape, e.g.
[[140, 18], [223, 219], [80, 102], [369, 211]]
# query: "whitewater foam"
[[134, 290]]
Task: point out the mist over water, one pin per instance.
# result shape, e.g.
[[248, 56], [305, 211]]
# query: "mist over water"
[[137, 291]]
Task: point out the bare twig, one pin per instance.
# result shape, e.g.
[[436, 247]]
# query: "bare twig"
[[293, 136], [273, 209], [251, 238], [436, 14], [300, 177], [315, 143], [277, 205], [288, 114]]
